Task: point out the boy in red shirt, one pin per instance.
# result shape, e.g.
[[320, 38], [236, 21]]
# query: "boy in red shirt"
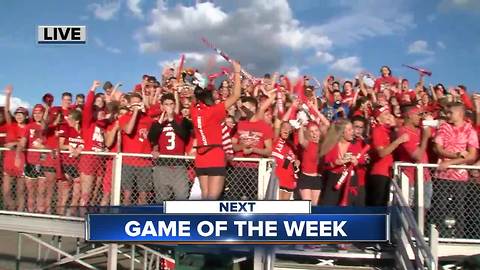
[[169, 136], [378, 184], [253, 140], [136, 170]]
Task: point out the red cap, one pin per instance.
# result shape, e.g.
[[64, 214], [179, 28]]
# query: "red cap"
[[378, 111], [38, 107], [21, 110]]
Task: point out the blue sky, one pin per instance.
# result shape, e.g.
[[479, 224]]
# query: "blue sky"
[[128, 38]]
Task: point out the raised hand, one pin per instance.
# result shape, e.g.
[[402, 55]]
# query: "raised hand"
[[95, 84], [8, 89], [236, 66]]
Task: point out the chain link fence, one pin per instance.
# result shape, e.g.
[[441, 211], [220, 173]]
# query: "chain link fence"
[[61, 184], [50, 182], [436, 198], [147, 180]]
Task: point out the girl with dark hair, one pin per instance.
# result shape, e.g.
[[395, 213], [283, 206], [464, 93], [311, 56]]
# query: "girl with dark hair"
[[210, 159]]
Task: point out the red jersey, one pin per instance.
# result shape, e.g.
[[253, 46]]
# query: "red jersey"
[[14, 132], [35, 136], [381, 137], [253, 134], [310, 160], [92, 134], [208, 132], [284, 159], [137, 141]]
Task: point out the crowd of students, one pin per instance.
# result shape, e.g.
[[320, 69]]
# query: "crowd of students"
[[332, 148]]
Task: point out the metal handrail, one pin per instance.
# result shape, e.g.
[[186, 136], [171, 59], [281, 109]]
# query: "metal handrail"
[[421, 245]]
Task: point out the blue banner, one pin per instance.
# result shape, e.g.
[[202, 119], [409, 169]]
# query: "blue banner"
[[235, 228]]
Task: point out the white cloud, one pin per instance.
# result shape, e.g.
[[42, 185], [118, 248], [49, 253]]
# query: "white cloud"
[[134, 7], [441, 45], [350, 65], [102, 45], [293, 72], [424, 61], [197, 60], [256, 32], [324, 57], [419, 47], [105, 11], [367, 19], [431, 18], [15, 102]]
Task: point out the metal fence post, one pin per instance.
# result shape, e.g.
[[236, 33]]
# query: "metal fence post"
[[420, 199], [115, 200], [433, 239], [262, 178]]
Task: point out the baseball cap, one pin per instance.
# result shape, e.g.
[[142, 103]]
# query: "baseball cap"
[[21, 110], [378, 111], [38, 107], [47, 98]]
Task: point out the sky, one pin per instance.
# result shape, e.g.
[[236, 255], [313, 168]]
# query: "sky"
[[129, 38]]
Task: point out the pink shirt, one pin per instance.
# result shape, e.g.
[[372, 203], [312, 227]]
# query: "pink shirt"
[[455, 139]]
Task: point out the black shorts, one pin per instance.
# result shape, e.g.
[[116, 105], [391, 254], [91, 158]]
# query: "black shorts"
[[309, 182], [212, 171], [32, 171], [71, 171]]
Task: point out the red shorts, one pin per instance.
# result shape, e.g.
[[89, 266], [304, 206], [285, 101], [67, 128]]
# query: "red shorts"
[[91, 165], [9, 164]]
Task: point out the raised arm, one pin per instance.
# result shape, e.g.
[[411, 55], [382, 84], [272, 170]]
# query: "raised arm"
[[232, 99], [88, 108], [8, 95]]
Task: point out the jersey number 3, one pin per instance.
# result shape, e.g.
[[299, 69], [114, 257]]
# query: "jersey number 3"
[[171, 140]]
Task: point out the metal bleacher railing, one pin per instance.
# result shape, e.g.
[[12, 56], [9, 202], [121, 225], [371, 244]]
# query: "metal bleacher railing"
[[453, 207]]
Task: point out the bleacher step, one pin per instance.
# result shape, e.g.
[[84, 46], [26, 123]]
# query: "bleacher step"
[[290, 266]]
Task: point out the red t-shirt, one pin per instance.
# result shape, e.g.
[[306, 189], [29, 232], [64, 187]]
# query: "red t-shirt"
[[253, 134], [3, 131], [310, 159], [34, 135], [92, 134], [137, 141], [360, 169], [114, 147], [381, 138], [14, 132], [74, 139], [169, 143], [389, 80], [406, 149]]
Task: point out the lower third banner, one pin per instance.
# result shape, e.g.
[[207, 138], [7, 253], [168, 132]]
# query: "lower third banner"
[[237, 228]]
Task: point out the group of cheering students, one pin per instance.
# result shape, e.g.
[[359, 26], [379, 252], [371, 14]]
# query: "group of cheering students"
[[322, 152]]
